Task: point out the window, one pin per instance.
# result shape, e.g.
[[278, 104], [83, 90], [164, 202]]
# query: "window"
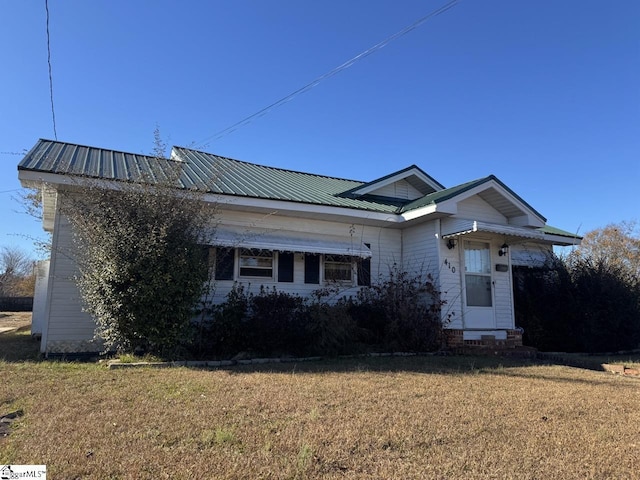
[[256, 263], [337, 268], [311, 268], [285, 267], [224, 263], [477, 265]]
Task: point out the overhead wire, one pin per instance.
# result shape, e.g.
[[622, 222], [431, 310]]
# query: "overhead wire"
[[331, 73], [53, 112]]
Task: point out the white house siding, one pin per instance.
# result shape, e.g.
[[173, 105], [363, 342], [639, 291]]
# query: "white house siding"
[[420, 250], [68, 329], [475, 208], [503, 293], [385, 247], [450, 284], [424, 252]]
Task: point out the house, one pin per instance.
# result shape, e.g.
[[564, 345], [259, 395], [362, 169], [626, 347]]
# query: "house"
[[296, 231]]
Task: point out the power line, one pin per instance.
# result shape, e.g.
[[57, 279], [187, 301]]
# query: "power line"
[[336, 70], [12, 153], [53, 113]]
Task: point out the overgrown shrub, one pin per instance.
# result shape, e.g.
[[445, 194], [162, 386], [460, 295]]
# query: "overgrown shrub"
[[399, 313], [276, 324], [402, 312], [578, 305], [226, 333], [330, 328]]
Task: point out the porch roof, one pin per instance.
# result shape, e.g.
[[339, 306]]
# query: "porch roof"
[[545, 234]]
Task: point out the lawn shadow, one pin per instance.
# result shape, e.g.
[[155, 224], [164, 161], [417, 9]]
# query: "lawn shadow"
[[426, 364], [19, 346]]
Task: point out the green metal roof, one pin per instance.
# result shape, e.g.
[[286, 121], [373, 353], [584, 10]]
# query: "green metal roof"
[[48, 156], [201, 170], [556, 231], [233, 177], [222, 175]]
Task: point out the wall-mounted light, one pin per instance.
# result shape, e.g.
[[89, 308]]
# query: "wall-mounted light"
[[504, 250], [451, 243]]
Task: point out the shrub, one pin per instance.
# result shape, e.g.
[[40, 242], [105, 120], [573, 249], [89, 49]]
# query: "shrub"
[[400, 313], [403, 311], [330, 328], [578, 305], [226, 332], [276, 322]]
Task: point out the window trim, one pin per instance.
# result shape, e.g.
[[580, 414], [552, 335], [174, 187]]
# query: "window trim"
[[331, 259], [256, 254]]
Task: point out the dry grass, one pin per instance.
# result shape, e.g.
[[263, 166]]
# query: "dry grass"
[[431, 417], [15, 319]]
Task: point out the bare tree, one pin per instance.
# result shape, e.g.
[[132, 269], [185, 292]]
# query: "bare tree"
[[16, 271], [616, 245]]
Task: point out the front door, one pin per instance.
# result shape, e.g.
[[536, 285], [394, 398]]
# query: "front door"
[[478, 285]]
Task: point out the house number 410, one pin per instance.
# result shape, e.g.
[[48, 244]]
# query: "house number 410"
[[449, 266]]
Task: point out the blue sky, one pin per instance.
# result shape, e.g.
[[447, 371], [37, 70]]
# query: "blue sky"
[[543, 94]]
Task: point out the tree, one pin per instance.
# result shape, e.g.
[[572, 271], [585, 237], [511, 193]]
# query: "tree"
[[588, 301], [142, 264], [16, 272], [617, 245]]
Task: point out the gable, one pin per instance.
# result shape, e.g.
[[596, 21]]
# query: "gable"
[[409, 184], [490, 190]]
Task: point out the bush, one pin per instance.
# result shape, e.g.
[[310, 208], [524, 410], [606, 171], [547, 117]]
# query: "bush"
[[400, 313], [226, 333], [276, 324], [578, 305], [330, 328]]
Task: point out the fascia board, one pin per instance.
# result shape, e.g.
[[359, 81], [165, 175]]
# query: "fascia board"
[[561, 241], [446, 208]]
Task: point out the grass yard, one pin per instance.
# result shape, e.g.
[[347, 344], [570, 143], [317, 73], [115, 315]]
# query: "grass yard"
[[383, 418]]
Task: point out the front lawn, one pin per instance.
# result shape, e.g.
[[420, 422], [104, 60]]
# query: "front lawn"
[[418, 417]]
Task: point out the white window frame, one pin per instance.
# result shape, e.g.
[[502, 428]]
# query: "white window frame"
[[337, 260], [247, 256]]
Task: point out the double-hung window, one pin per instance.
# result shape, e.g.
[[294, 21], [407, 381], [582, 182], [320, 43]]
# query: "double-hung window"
[[338, 268], [256, 263]]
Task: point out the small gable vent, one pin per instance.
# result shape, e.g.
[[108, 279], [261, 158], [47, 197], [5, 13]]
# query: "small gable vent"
[[402, 190]]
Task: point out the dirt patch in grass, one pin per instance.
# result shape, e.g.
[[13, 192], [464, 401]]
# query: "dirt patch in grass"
[[428, 417], [14, 320]]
